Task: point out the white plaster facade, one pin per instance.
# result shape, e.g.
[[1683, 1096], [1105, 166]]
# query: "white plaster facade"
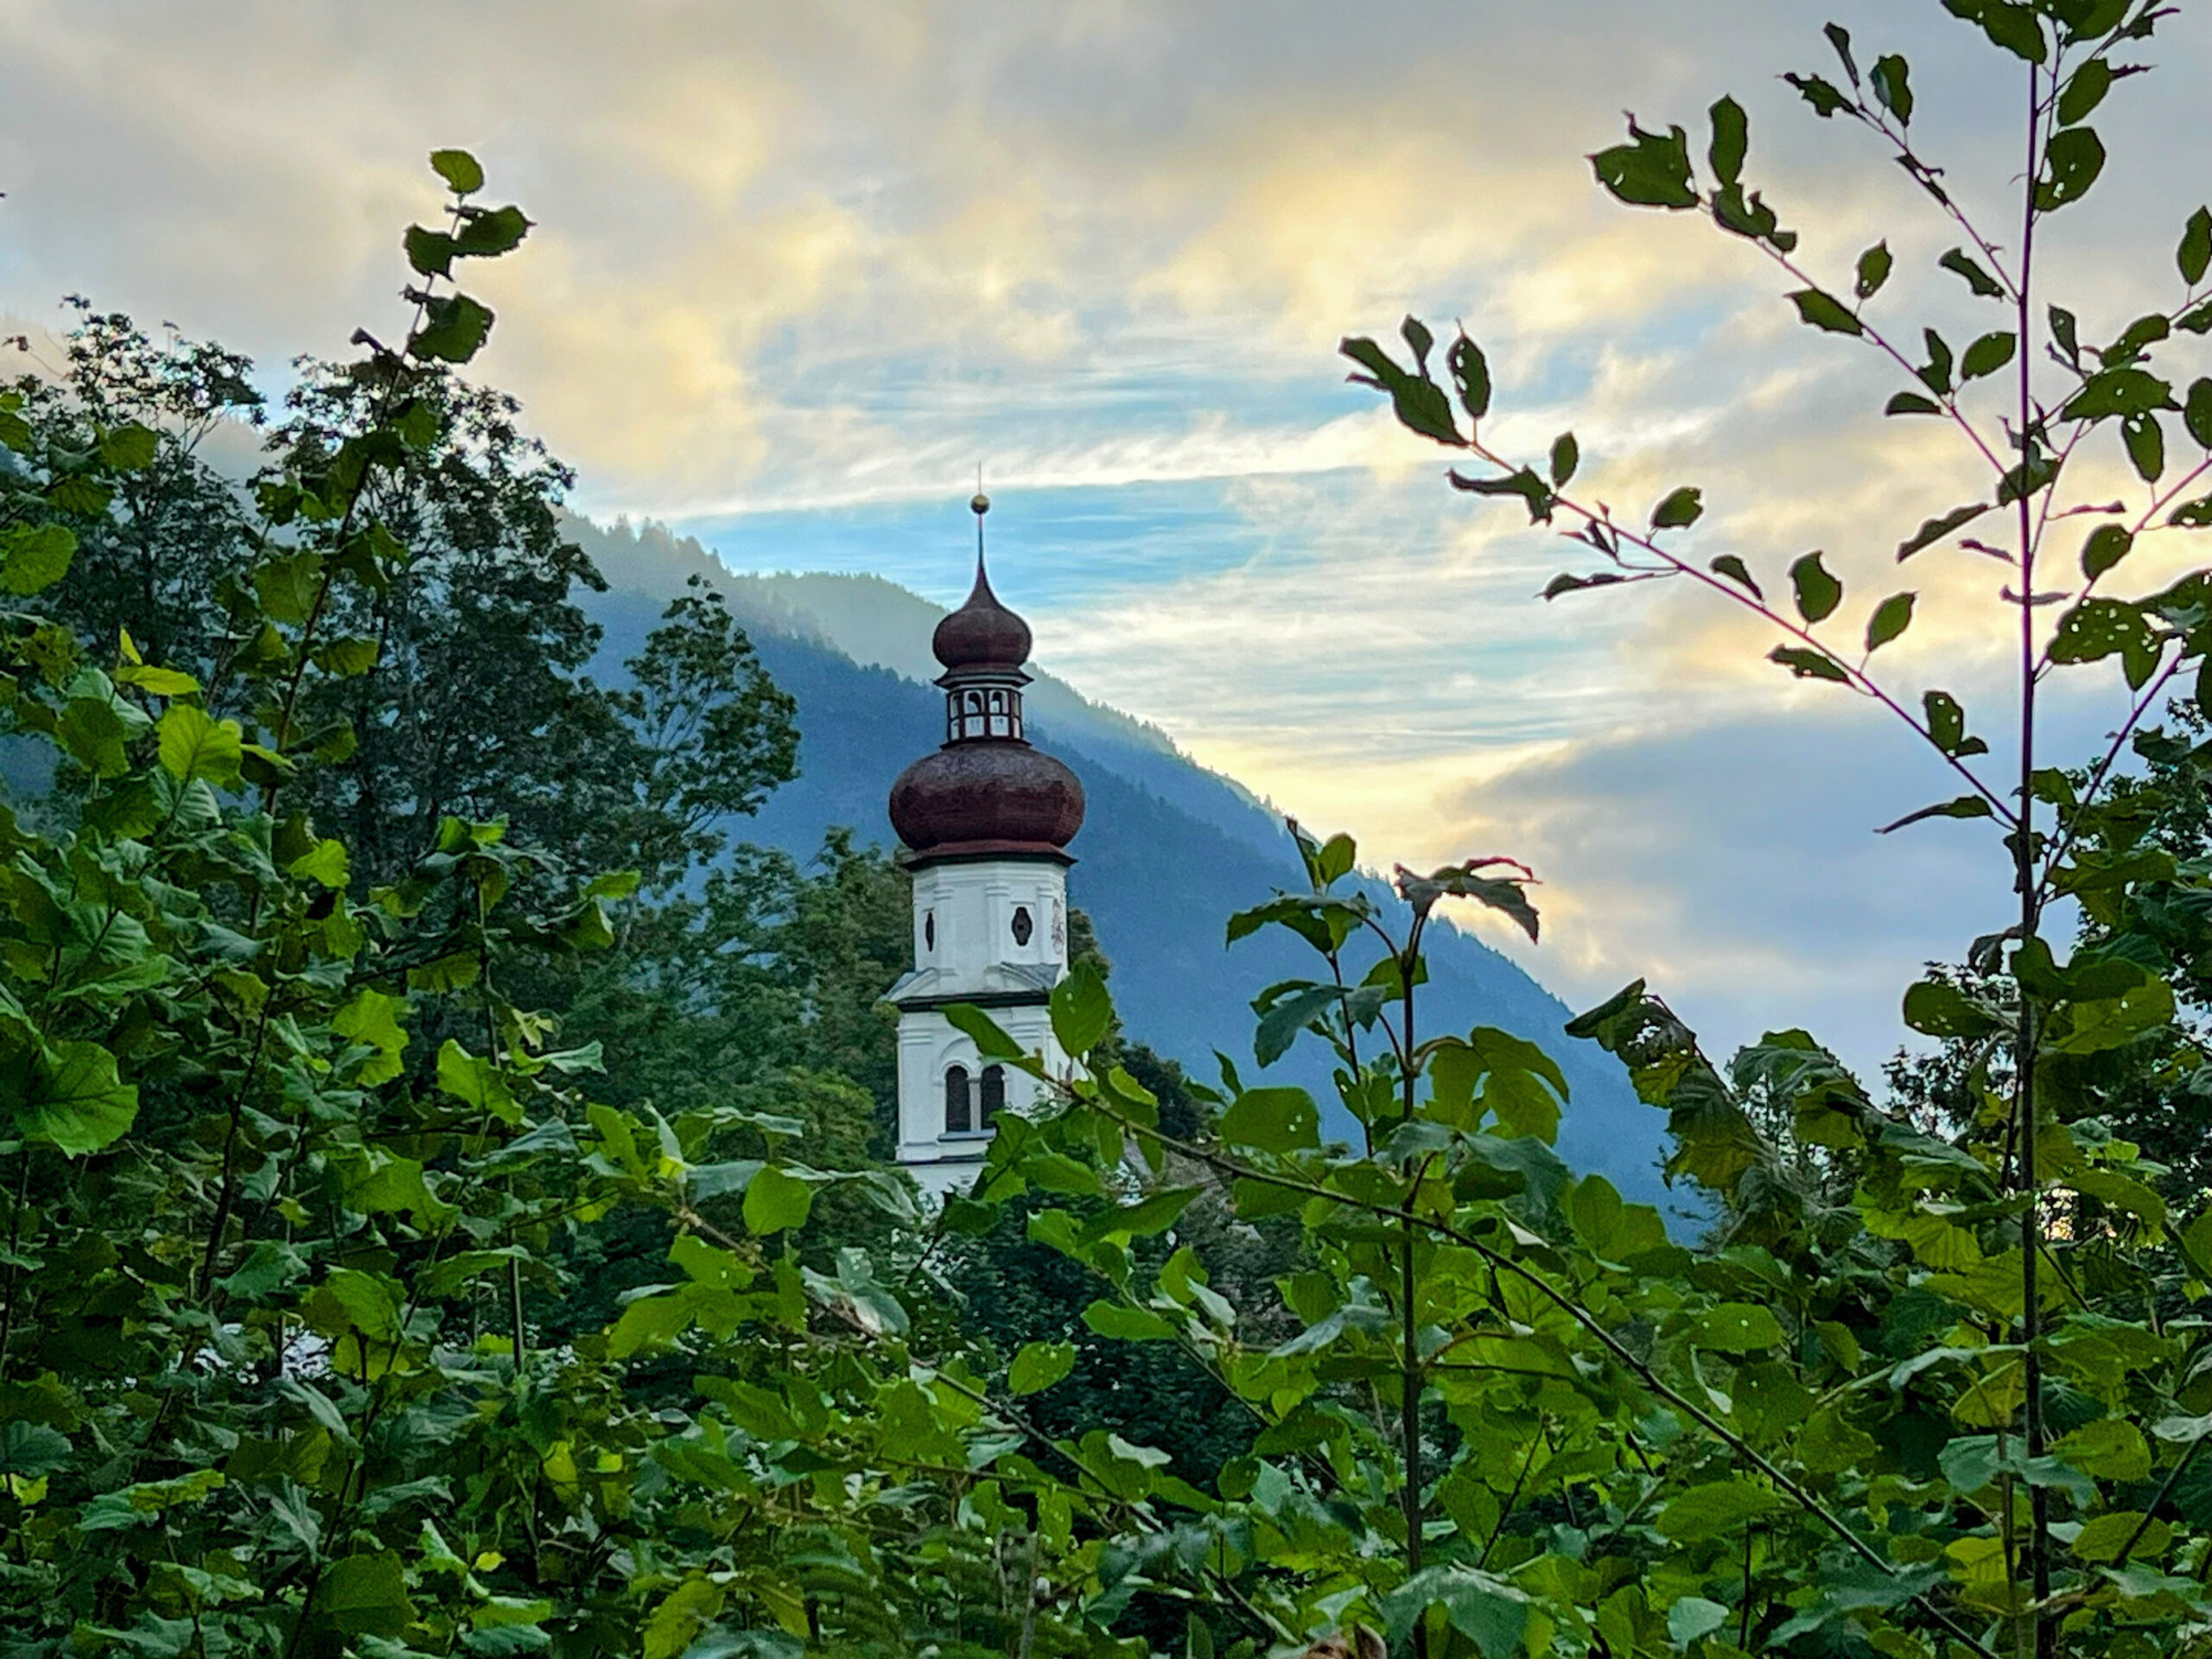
[[993, 931]]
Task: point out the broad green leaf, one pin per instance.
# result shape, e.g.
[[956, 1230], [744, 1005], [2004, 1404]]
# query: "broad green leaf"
[[1490, 1612], [2106, 546], [1122, 1323], [1810, 664], [775, 1201], [366, 1595], [2084, 90], [194, 746], [1735, 1328], [1272, 1120], [372, 1018], [94, 735], [476, 1082], [1469, 371], [1936, 1008], [1818, 592], [1947, 725], [991, 1041], [2194, 255], [1962, 263], [1826, 312], [1679, 508], [1082, 1011], [1038, 1366], [33, 557], [1873, 270], [1958, 806], [1731, 140], [1737, 571], [1891, 618], [68, 1095], [2072, 161], [463, 176], [1694, 1617], [1716, 1507], [1651, 170], [1891, 80], [454, 327], [2197, 411], [1565, 455], [2144, 440], [325, 865], [1991, 352]]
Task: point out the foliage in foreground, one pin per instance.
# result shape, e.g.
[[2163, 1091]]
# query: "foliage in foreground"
[[294, 1358]]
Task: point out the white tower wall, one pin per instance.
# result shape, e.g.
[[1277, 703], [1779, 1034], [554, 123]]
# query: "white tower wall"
[[991, 932]]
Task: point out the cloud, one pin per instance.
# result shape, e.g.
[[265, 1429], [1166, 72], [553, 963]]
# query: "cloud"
[[797, 268]]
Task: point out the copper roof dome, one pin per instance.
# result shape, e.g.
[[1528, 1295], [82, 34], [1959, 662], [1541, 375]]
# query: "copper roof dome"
[[982, 632]]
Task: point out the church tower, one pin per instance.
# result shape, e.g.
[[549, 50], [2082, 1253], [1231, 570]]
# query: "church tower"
[[986, 819]]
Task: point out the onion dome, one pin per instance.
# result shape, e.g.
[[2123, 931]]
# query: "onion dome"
[[981, 633], [994, 794], [986, 793]]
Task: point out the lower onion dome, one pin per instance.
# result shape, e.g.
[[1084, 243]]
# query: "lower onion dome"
[[990, 795]]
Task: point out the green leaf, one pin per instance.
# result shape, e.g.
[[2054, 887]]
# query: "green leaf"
[[1935, 1008], [1694, 1617], [2099, 627], [1818, 592], [1082, 1011], [463, 176], [1737, 571], [366, 1595], [1824, 311], [1565, 455], [431, 252], [487, 233], [1912, 403], [1731, 140], [2144, 440], [776, 1202], [372, 1018], [325, 865], [1735, 1328], [453, 329], [1963, 806], [1038, 1366], [1272, 1120], [68, 1095], [2197, 411], [1419, 402], [1891, 80], [991, 1042], [1891, 618], [2194, 255], [476, 1082], [1119, 1322], [1824, 98], [193, 746], [33, 557], [1679, 508], [2072, 161], [1986, 355], [1873, 270], [1715, 1509], [1651, 170], [94, 735], [1490, 1612], [1470, 372], [2106, 546], [2121, 391], [1962, 263], [1810, 664], [2084, 90]]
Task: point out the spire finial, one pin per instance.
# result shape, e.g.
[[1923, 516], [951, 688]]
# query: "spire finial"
[[979, 504]]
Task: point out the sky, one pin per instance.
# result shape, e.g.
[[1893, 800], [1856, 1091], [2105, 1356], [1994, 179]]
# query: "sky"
[[798, 270]]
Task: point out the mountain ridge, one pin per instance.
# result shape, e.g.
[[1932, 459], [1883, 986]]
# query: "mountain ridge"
[[1168, 851]]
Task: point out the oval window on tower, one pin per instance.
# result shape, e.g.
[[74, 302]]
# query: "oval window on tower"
[[1023, 927], [929, 930]]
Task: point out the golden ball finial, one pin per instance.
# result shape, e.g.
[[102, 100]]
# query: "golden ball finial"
[[981, 505]]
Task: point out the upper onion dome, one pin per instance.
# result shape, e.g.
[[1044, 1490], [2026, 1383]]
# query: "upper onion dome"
[[981, 633]]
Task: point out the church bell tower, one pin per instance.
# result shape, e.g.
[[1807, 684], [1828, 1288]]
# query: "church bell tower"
[[986, 820]]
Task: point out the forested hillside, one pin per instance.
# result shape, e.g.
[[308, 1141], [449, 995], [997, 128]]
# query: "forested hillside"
[[1168, 849]]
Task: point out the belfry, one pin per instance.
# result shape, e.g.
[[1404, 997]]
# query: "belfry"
[[986, 820]]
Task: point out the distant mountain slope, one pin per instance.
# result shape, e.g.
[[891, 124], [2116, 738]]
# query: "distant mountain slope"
[[1167, 851]]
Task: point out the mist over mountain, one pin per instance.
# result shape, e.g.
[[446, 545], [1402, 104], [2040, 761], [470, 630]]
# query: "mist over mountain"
[[1167, 851]]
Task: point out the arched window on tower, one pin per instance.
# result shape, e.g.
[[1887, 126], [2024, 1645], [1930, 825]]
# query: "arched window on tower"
[[993, 1093], [958, 1119], [971, 716], [1000, 728]]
